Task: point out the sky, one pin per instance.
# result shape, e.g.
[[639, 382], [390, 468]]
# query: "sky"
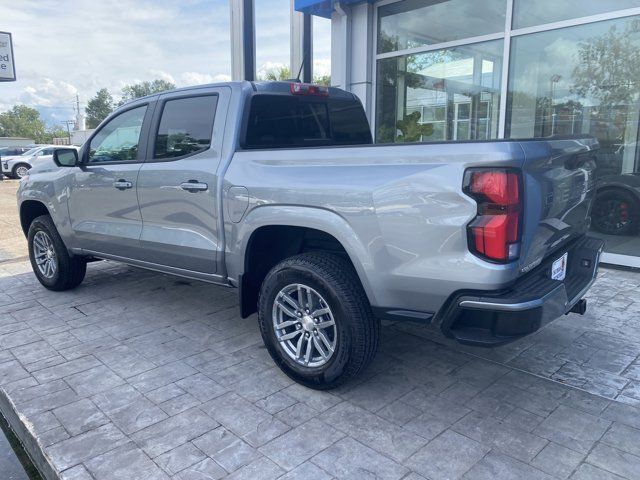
[[65, 48]]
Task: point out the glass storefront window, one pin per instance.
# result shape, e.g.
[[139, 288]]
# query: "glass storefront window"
[[585, 80], [417, 23], [451, 94], [527, 13]]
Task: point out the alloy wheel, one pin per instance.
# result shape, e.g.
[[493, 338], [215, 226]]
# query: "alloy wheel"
[[304, 325], [22, 171], [45, 254]]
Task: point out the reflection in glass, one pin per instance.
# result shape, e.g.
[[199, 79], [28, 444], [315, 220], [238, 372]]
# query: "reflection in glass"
[[416, 23], [118, 140], [185, 127], [586, 80], [527, 13], [451, 94]]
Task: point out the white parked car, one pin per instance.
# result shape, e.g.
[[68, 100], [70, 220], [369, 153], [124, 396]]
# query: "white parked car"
[[19, 165]]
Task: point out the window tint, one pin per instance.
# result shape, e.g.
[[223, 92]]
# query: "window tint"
[[118, 140], [349, 123], [278, 121], [46, 151], [186, 126]]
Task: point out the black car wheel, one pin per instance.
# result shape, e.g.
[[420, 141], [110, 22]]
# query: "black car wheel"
[[616, 212], [316, 321], [50, 259]]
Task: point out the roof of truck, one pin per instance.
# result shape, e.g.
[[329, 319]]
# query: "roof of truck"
[[275, 87]]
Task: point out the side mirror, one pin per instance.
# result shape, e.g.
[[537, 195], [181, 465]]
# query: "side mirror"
[[65, 157]]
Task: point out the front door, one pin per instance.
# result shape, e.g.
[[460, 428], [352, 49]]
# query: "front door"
[[177, 185], [103, 204]]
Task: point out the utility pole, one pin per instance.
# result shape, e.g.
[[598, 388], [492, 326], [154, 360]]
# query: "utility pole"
[[80, 117], [67, 123]]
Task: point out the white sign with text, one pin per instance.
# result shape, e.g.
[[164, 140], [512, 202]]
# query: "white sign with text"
[[7, 64]]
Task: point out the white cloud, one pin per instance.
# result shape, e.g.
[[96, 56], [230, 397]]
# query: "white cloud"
[[159, 74], [198, 78], [90, 45]]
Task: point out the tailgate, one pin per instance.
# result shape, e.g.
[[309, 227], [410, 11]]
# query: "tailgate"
[[559, 185]]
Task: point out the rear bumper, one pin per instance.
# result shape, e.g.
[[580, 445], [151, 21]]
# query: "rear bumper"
[[489, 318]]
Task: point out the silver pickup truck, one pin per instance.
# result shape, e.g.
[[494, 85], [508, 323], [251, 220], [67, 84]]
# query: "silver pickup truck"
[[277, 189]]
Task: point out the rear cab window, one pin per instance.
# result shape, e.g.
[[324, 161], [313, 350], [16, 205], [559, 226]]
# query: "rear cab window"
[[186, 127], [281, 120]]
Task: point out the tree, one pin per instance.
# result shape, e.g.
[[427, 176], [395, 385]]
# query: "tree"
[[609, 68], [322, 80], [142, 89], [54, 131], [276, 74], [284, 73], [22, 121], [99, 107]]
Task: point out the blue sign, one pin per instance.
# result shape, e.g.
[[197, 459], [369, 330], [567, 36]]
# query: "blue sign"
[[322, 8]]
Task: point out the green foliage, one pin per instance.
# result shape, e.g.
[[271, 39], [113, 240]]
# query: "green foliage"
[[142, 89], [22, 121], [322, 80], [55, 131], [609, 68], [412, 130], [284, 73], [275, 74], [99, 107]]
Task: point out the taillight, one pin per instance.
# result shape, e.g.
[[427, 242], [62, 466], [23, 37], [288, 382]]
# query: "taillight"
[[495, 233], [309, 89]]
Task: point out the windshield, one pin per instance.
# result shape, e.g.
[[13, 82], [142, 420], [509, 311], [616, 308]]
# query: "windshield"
[[28, 153]]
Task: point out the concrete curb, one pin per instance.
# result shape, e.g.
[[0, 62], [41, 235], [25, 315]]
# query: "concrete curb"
[[25, 433]]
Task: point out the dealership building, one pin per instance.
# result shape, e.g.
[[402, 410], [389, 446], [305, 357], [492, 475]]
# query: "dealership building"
[[456, 70]]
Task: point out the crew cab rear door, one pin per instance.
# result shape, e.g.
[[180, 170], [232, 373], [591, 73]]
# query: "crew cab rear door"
[[178, 183]]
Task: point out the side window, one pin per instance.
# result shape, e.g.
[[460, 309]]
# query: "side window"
[[118, 140], [46, 151], [186, 127]]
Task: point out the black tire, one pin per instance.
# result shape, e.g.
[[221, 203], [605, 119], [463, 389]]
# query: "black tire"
[[70, 269], [616, 212], [357, 330], [14, 171]]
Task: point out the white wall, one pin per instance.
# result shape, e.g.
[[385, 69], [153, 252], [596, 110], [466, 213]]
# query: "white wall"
[[352, 52], [16, 142]]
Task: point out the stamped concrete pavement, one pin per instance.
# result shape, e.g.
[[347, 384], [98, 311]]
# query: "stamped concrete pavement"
[[137, 375]]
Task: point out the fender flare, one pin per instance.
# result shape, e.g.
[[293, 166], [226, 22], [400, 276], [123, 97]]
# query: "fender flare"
[[306, 217]]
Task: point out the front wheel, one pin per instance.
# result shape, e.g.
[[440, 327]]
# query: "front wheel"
[[50, 259], [316, 321], [21, 170]]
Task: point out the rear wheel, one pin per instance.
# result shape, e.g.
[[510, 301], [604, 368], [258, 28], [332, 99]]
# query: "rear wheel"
[[50, 259], [316, 321], [20, 170], [616, 213]]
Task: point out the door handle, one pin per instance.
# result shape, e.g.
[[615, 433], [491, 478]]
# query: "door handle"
[[194, 186], [122, 184]]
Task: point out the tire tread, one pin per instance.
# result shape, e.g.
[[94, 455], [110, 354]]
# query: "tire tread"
[[365, 328]]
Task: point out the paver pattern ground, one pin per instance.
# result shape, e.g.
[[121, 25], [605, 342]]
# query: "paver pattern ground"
[[141, 375]]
